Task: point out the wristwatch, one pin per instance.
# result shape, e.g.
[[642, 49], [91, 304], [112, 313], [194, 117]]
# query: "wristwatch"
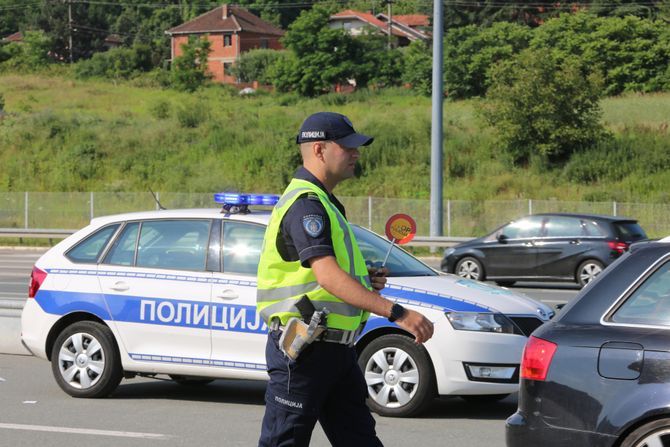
[[397, 312]]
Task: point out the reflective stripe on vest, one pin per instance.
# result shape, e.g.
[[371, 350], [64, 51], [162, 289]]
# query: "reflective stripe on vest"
[[281, 284]]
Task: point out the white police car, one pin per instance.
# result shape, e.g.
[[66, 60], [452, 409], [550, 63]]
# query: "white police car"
[[173, 292]]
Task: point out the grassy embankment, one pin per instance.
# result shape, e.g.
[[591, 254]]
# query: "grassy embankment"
[[65, 135]]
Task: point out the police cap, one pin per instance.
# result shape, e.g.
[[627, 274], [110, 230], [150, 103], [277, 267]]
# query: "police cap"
[[330, 126]]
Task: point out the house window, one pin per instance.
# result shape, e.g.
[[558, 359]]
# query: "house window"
[[227, 68], [227, 40], [264, 43]]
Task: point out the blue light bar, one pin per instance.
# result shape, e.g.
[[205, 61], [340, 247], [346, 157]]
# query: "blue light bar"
[[233, 198]]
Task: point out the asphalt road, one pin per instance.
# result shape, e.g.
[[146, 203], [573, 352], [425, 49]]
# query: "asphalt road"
[[145, 412]]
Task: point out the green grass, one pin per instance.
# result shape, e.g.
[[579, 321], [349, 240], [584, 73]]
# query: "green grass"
[[69, 135]]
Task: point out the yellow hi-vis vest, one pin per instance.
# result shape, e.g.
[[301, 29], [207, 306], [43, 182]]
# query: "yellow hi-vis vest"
[[282, 283]]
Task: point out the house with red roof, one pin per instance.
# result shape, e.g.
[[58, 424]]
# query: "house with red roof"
[[357, 23], [232, 30]]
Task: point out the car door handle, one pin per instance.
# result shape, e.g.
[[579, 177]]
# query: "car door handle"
[[575, 241], [228, 294], [120, 286]]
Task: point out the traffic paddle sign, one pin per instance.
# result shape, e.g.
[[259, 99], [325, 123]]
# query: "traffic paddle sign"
[[400, 228]]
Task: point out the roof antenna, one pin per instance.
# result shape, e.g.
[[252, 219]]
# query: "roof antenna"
[[160, 207]]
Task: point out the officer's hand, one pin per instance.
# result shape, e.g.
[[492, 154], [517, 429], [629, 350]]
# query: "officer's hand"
[[417, 325], [378, 277]]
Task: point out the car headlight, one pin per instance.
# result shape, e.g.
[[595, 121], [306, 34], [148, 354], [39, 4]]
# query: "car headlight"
[[449, 251], [481, 322]]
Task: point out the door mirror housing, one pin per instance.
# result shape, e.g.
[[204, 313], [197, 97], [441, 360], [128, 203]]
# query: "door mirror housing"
[[502, 238]]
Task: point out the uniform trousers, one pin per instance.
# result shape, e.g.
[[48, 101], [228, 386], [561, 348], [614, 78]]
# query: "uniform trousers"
[[324, 384]]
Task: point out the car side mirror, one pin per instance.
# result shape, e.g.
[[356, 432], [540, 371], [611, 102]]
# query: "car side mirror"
[[502, 238]]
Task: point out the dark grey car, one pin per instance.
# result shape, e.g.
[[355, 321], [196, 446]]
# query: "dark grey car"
[[545, 247], [598, 374]]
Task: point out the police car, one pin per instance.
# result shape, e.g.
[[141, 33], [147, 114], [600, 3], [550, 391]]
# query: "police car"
[[174, 291]]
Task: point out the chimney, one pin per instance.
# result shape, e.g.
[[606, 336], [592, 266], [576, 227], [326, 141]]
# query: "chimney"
[[225, 11]]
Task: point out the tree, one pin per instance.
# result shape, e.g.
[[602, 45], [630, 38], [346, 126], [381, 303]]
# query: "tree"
[[254, 65], [189, 71], [632, 53], [543, 109], [471, 50], [323, 56], [418, 67]]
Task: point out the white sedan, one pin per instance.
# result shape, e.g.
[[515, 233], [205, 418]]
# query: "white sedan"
[[173, 292]]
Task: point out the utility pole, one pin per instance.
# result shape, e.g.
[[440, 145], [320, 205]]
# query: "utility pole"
[[69, 25], [436, 129], [390, 18]]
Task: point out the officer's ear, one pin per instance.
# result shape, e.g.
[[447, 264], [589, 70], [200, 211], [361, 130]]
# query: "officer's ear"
[[318, 148]]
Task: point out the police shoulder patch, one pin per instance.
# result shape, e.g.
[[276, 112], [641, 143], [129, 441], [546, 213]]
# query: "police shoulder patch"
[[313, 224]]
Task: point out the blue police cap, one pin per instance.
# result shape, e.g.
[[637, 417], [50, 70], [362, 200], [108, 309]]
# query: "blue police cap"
[[329, 126]]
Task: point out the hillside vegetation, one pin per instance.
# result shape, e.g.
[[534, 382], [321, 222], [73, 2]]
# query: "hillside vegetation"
[[59, 134]]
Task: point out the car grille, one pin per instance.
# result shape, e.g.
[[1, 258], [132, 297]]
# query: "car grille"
[[527, 324]]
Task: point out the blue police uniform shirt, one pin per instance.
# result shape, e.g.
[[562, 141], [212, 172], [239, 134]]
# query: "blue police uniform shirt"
[[305, 228]]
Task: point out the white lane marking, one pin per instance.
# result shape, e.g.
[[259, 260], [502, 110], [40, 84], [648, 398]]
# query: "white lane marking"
[[2, 380], [84, 431], [29, 401]]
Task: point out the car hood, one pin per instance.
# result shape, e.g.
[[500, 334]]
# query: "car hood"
[[451, 293]]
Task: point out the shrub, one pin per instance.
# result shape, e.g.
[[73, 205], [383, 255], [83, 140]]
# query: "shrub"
[[192, 114], [542, 109], [161, 110], [117, 63]]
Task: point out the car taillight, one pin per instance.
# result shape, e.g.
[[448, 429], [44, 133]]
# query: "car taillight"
[[618, 247], [36, 279], [537, 357]]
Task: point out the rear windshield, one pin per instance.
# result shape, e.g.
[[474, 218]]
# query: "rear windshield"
[[629, 231]]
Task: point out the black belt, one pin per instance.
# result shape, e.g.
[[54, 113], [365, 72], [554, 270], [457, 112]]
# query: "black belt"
[[330, 335]]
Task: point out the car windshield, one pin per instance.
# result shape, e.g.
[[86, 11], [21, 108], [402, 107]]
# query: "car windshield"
[[399, 263], [630, 231]]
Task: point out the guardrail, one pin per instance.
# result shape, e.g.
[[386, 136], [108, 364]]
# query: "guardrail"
[[35, 233], [418, 241]]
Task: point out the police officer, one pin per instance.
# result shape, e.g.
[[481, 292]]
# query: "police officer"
[[310, 250]]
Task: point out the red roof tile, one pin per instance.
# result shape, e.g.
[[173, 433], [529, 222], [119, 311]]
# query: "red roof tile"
[[237, 19], [16, 37], [366, 17], [413, 19]]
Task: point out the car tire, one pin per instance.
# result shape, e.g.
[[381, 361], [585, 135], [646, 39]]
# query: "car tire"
[[653, 433], [587, 271], [470, 268], [399, 376], [85, 360], [505, 283], [483, 398], [191, 381]]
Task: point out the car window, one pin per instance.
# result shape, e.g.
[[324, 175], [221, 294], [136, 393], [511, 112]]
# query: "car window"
[[88, 251], [563, 226], [530, 226], [123, 248], [399, 263], [592, 228], [629, 231], [242, 244], [650, 303], [173, 244]]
